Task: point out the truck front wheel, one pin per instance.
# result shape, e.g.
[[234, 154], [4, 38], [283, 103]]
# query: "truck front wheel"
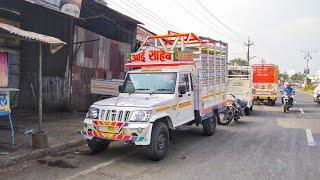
[[98, 145], [159, 144], [209, 125]]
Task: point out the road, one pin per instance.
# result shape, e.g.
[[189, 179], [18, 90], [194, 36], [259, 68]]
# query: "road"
[[268, 144]]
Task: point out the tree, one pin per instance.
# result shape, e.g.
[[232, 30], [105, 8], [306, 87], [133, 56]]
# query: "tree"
[[239, 61], [283, 76], [298, 77]]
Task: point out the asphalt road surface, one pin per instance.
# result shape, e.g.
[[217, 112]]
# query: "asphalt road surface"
[[268, 144]]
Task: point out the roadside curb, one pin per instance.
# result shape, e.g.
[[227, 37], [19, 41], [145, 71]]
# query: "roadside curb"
[[40, 153]]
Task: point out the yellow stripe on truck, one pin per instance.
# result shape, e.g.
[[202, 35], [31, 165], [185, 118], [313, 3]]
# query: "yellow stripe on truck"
[[185, 104], [161, 109]]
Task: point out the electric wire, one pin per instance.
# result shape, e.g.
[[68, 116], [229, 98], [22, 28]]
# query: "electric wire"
[[157, 17], [153, 28], [217, 19]]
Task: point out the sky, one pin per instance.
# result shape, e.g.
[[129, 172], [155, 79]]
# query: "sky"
[[278, 28]]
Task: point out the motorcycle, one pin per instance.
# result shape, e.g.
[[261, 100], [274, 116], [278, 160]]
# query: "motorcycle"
[[287, 102], [234, 110], [317, 98]]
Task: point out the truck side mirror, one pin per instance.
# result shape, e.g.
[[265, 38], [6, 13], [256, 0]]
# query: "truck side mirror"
[[120, 88], [182, 90]]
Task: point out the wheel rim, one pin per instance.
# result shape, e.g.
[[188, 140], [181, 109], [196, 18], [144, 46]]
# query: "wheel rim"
[[161, 141]]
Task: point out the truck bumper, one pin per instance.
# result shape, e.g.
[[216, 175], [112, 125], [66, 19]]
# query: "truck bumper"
[[138, 133], [264, 97]]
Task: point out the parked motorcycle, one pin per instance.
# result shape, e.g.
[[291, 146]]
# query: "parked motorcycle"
[[287, 102], [234, 109]]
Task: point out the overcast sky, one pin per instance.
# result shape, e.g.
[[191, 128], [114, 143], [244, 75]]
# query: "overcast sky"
[[279, 28]]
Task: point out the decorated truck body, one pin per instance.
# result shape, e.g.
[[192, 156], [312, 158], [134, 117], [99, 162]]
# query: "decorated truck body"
[[265, 82], [240, 84], [179, 81]]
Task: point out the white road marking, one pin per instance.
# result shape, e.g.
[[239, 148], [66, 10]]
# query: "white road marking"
[[98, 166], [310, 138], [301, 111]]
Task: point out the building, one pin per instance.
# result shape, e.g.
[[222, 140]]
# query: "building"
[[98, 39]]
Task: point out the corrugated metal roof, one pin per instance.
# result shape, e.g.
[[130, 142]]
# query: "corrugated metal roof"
[[31, 35]]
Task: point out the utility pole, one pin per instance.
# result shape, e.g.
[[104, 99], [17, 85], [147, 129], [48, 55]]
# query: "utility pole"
[[308, 57], [248, 44]]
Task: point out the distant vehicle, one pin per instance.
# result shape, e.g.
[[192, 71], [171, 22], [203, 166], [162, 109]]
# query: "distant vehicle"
[[240, 85], [316, 94], [265, 82]]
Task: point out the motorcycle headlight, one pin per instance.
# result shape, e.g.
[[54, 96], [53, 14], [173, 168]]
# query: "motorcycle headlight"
[[142, 116], [93, 113]]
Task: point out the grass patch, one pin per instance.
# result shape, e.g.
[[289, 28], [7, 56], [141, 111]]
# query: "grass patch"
[[309, 88]]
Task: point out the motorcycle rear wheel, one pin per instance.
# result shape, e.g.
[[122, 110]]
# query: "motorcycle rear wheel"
[[225, 117]]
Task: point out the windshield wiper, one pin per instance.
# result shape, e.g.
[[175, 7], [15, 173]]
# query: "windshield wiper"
[[139, 89], [159, 90]]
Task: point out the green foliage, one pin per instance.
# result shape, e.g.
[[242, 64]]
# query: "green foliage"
[[298, 77], [283, 76], [239, 61], [309, 88]]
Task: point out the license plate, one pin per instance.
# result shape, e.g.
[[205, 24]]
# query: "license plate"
[[108, 129]]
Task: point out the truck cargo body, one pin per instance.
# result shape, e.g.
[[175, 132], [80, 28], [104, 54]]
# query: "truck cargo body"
[[265, 82], [240, 83]]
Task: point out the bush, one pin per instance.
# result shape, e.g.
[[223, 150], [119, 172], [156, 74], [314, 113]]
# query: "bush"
[[309, 88]]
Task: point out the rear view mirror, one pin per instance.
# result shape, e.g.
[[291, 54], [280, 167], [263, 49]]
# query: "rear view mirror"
[[182, 89]]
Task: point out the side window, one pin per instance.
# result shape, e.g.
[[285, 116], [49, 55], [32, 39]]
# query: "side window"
[[184, 81]]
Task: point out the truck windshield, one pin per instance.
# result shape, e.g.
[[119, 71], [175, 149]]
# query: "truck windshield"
[[150, 83]]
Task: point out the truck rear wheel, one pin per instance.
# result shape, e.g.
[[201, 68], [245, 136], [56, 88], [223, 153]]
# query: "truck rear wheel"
[[97, 145], [209, 126], [159, 144]]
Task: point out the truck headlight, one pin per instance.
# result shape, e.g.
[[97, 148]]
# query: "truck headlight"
[[140, 116], [93, 113]]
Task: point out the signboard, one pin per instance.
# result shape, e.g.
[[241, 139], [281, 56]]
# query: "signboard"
[[151, 55], [4, 102], [69, 7], [3, 69], [186, 56]]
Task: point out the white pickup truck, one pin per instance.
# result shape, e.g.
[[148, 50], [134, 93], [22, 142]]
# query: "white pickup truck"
[[171, 88]]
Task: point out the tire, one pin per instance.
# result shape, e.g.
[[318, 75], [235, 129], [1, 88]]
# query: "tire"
[[159, 144], [247, 111], [209, 126], [97, 145], [226, 117]]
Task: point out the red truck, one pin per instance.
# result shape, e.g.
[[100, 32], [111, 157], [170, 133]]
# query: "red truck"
[[265, 78]]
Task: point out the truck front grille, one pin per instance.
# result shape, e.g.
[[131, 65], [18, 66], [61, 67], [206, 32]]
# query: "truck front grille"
[[115, 115]]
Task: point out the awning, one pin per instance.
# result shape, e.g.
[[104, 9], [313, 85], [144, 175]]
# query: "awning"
[[55, 43]]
